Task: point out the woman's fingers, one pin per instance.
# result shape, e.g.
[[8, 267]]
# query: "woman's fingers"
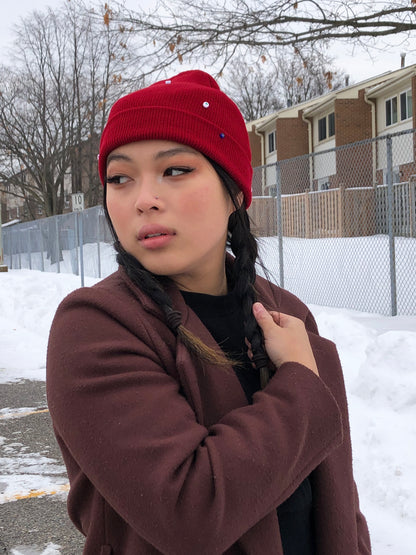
[[266, 320], [285, 338], [276, 317]]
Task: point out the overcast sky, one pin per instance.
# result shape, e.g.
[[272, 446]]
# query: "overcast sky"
[[357, 64]]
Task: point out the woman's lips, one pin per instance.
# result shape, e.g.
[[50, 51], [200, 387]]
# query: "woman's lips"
[[154, 236]]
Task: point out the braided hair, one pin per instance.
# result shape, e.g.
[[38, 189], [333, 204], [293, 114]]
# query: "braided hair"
[[243, 245]]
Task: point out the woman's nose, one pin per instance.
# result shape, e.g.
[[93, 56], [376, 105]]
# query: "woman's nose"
[[147, 198]]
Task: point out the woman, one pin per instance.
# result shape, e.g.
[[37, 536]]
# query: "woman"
[[197, 409]]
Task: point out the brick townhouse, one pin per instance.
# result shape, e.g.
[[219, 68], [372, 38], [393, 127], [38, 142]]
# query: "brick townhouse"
[[372, 108]]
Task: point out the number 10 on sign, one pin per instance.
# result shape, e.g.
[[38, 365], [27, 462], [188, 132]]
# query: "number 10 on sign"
[[77, 202]]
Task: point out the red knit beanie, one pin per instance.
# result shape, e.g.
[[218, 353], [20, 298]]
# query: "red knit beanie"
[[189, 109]]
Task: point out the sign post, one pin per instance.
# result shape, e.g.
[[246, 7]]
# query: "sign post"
[[78, 207], [3, 268]]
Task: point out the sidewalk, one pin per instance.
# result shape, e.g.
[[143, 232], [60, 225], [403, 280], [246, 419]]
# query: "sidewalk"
[[33, 482]]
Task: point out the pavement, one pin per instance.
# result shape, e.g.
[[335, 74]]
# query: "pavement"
[[33, 482]]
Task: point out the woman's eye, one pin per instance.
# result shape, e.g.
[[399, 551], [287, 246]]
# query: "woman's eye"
[[173, 172], [117, 179]]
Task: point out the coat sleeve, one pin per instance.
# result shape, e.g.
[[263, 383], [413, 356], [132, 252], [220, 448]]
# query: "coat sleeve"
[[181, 486], [363, 537]]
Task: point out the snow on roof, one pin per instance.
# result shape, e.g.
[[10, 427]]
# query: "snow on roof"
[[12, 222]]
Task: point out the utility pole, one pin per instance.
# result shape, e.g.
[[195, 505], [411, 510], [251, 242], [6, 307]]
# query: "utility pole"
[[3, 268]]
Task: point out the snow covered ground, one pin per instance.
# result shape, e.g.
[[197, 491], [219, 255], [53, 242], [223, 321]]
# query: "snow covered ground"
[[378, 355]]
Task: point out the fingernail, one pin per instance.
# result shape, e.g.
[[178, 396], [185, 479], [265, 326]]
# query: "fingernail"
[[258, 309]]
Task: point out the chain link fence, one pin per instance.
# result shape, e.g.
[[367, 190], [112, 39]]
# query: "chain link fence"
[[76, 243], [336, 228]]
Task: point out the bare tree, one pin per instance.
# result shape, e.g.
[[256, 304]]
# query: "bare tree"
[[266, 85], [304, 77], [54, 100], [253, 87], [214, 31]]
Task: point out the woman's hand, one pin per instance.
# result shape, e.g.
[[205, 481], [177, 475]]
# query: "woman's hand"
[[285, 338]]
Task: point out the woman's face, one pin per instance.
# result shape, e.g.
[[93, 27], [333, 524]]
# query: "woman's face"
[[170, 210]]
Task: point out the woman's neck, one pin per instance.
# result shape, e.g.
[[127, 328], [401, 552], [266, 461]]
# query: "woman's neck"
[[216, 287]]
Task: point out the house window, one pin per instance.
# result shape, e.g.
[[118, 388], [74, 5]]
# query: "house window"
[[331, 124], [272, 141], [326, 126], [395, 175], [322, 129], [391, 111], [406, 107], [272, 190], [323, 184]]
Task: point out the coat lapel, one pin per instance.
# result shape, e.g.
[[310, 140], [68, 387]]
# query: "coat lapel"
[[213, 391]]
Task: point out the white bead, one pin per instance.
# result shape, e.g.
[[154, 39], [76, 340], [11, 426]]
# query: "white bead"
[[205, 104], [168, 82]]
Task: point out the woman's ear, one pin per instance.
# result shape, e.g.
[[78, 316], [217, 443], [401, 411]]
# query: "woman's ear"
[[240, 199], [236, 203]]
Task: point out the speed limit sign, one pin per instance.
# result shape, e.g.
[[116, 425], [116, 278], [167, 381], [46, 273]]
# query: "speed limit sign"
[[77, 202]]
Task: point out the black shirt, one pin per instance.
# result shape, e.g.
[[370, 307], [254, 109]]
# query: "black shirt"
[[223, 317]]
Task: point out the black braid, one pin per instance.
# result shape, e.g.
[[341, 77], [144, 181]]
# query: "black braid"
[[244, 247], [150, 284]]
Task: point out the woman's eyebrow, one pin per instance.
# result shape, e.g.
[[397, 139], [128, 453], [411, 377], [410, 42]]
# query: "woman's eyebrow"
[[173, 151], [116, 156]]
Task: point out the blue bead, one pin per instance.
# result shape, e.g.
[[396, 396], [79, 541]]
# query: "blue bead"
[[222, 135]]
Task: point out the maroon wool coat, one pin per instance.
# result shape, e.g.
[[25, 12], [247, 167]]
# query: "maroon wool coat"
[[166, 457]]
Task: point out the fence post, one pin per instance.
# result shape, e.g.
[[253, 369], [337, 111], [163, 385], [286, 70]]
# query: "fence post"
[[29, 249], [341, 211], [12, 248], [3, 267], [42, 263], [98, 212], [19, 243], [58, 247], [392, 252], [279, 223], [307, 210], [81, 245], [412, 206]]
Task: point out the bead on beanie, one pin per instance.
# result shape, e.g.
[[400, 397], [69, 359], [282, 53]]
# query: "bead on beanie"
[[189, 109]]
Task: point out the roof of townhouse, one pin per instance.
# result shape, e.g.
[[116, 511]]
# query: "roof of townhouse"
[[372, 85], [395, 79]]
